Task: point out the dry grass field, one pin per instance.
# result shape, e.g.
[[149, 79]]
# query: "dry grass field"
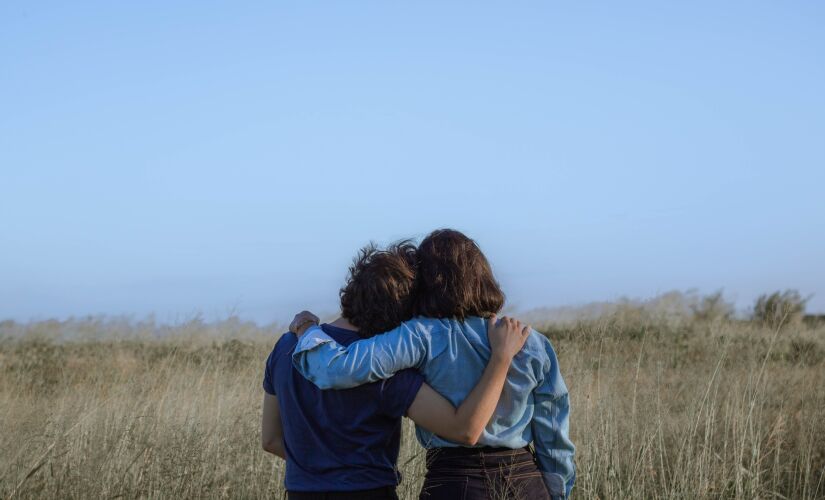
[[661, 409]]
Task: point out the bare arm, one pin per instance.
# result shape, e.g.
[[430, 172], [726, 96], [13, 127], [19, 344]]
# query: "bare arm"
[[272, 432], [466, 423]]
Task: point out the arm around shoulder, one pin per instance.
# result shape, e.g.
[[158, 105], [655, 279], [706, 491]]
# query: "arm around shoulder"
[[329, 365]]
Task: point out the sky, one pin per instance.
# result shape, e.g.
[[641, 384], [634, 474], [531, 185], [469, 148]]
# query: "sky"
[[217, 158]]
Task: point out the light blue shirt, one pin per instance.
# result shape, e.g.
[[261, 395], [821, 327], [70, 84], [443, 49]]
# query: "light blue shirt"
[[534, 405]]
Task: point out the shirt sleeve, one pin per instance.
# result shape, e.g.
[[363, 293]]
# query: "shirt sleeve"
[[399, 392], [284, 342], [329, 365], [550, 426], [269, 383]]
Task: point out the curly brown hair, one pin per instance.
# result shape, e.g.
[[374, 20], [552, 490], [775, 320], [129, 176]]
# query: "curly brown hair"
[[454, 278], [378, 294]]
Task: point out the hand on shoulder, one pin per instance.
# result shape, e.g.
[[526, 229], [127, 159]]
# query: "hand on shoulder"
[[302, 321], [507, 336]]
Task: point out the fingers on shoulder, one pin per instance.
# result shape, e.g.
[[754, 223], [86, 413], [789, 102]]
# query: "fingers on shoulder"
[[510, 323]]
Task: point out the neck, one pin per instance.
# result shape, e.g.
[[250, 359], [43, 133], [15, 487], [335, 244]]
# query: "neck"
[[344, 323]]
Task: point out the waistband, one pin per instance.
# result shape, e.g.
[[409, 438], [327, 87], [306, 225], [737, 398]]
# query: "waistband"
[[487, 451], [448, 462], [384, 493], [471, 458]]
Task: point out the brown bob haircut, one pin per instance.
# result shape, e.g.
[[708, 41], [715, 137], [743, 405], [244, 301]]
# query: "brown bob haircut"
[[378, 294], [454, 279]]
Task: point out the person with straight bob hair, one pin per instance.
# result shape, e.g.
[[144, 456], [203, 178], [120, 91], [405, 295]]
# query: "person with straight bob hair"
[[454, 279], [525, 450]]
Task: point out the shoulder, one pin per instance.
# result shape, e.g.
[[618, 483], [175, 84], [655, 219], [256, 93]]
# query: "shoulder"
[[423, 323], [284, 345], [538, 344], [426, 327], [274, 362], [471, 324], [539, 350]]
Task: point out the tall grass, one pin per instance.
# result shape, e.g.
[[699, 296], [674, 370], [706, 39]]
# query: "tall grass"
[[699, 409]]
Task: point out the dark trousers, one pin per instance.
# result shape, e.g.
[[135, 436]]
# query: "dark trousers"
[[482, 473], [387, 493]]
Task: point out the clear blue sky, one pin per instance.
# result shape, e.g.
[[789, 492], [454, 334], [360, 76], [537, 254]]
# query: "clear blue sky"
[[175, 157]]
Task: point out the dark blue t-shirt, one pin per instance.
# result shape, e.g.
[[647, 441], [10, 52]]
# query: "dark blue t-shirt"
[[338, 440]]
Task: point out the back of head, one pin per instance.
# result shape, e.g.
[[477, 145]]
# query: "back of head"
[[378, 295], [454, 279]]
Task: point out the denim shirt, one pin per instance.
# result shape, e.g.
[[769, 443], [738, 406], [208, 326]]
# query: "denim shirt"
[[451, 354]]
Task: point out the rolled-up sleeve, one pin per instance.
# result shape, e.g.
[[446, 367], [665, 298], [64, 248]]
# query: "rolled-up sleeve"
[[329, 365], [551, 433]]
